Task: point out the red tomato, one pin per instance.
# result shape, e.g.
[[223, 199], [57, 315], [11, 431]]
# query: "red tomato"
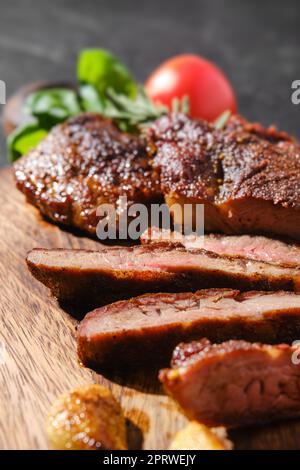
[[208, 89]]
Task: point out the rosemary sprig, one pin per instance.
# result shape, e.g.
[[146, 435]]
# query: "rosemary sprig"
[[221, 121]]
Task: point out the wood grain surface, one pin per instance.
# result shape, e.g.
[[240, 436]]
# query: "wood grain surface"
[[38, 358]]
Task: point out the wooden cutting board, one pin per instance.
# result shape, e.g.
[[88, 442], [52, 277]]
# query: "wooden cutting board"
[[38, 358]]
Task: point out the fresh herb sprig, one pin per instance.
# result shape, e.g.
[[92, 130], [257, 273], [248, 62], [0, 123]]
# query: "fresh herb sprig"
[[127, 112], [105, 86], [221, 121]]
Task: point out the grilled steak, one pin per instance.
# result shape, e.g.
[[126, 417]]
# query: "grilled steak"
[[270, 134], [146, 329], [253, 247], [247, 178], [234, 383], [114, 273], [82, 163]]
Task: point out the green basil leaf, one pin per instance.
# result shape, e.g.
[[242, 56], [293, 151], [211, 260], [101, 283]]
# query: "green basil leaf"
[[91, 99], [23, 139], [52, 106], [101, 69]]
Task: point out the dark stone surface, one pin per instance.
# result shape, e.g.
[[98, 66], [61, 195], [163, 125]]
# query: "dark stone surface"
[[256, 43]]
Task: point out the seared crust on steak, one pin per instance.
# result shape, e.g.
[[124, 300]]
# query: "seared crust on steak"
[[82, 163], [247, 177], [270, 134]]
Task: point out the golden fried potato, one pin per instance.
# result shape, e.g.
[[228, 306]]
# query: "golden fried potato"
[[87, 418], [196, 436]]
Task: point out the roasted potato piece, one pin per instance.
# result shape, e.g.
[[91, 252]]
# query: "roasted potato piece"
[[87, 418], [196, 436]]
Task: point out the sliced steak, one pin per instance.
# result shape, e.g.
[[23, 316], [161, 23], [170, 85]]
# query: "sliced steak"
[[247, 178], [253, 247], [234, 383], [114, 273], [83, 163], [145, 330]]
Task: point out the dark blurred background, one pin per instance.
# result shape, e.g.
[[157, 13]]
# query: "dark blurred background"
[[256, 43]]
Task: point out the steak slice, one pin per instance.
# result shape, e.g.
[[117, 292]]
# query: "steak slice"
[[114, 273], [247, 178], [145, 330], [83, 163], [234, 383], [253, 247]]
